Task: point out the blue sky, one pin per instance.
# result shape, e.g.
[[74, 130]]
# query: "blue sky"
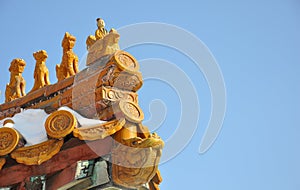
[[257, 48]]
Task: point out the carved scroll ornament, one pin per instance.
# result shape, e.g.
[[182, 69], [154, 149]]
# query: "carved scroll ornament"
[[99, 132], [37, 154]]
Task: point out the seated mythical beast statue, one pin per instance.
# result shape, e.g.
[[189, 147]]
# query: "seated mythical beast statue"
[[41, 73], [16, 86], [69, 63]]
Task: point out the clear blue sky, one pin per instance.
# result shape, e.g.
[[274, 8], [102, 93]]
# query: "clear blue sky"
[[257, 47]]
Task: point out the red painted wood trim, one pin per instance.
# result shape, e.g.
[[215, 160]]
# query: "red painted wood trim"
[[18, 173]]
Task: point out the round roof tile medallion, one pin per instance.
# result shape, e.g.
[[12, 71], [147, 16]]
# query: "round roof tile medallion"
[[9, 139], [60, 123], [131, 111], [126, 62]]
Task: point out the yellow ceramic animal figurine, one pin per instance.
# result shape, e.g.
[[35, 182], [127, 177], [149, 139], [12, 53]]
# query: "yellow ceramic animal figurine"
[[41, 73], [16, 86], [69, 63]]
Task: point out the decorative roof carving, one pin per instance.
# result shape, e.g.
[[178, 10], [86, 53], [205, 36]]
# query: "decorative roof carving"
[[9, 139], [99, 131], [105, 90], [41, 73], [37, 154], [60, 123], [16, 86], [100, 33], [69, 63], [136, 157]]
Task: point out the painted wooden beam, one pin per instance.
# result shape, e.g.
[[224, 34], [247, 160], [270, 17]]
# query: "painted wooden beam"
[[73, 151]]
